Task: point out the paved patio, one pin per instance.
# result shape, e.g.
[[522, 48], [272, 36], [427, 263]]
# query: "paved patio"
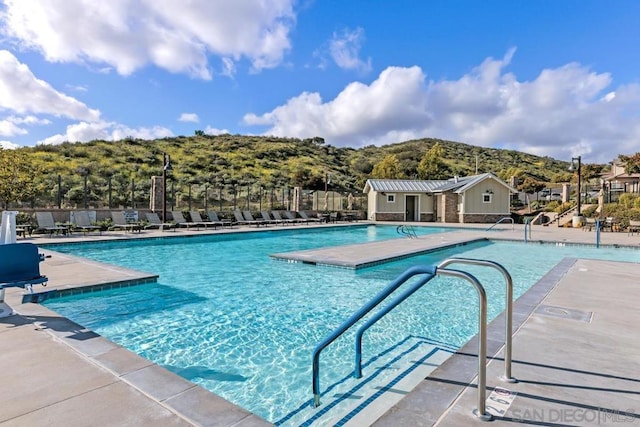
[[56, 372]]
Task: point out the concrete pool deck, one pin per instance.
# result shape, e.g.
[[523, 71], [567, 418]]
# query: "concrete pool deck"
[[58, 373]]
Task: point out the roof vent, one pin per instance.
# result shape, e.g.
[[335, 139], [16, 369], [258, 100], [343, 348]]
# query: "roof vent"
[[455, 179]]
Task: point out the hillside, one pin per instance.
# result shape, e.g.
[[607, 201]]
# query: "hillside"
[[226, 160]]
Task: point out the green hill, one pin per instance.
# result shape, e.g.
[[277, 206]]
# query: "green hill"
[[225, 161]]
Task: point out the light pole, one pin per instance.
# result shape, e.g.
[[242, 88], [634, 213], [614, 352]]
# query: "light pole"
[[571, 168], [166, 162]]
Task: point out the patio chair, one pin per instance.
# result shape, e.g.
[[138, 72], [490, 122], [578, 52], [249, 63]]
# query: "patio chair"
[[292, 216], [213, 216], [180, 221], [307, 218], [278, 217], [589, 224], [634, 227], [155, 222], [46, 223], [120, 223], [251, 220], [195, 217], [82, 222], [19, 267], [266, 217]]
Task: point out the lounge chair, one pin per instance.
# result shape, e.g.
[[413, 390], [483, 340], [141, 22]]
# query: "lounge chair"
[[307, 218], [82, 222], [251, 220], [155, 222], [213, 216], [46, 223], [195, 217], [19, 267], [292, 216], [241, 220], [277, 217], [266, 217], [120, 223], [180, 221]]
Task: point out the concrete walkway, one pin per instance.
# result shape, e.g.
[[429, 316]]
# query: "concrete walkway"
[[576, 354]]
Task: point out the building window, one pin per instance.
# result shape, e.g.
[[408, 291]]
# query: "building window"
[[391, 198], [486, 198]]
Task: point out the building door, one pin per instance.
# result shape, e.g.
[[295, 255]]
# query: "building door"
[[410, 204]]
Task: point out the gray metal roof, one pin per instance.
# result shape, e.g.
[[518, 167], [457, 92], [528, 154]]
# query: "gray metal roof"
[[458, 185], [405, 185]]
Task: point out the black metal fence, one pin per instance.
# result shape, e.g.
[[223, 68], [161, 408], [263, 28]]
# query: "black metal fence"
[[118, 192]]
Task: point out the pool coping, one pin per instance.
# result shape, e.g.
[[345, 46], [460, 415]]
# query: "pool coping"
[[439, 391]]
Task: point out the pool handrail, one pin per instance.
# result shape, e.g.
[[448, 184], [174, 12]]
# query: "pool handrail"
[[407, 230], [429, 271], [482, 332], [502, 220], [508, 320]]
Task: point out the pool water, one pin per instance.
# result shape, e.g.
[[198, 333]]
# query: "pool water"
[[227, 317]]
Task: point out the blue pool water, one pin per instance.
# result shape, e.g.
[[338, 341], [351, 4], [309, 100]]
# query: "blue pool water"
[[227, 317]]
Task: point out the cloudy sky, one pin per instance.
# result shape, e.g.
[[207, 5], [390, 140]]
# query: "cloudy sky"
[[556, 78]]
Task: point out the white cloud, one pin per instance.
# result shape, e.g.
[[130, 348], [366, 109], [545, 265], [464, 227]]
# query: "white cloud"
[[215, 131], [189, 117], [228, 67], [561, 113], [129, 34], [77, 88], [22, 92], [8, 145], [108, 131], [9, 126], [345, 50]]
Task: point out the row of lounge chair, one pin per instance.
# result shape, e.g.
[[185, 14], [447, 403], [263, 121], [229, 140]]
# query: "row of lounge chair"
[[80, 221]]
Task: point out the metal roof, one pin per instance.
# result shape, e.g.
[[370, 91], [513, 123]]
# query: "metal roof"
[[404, 185], [459, 185]]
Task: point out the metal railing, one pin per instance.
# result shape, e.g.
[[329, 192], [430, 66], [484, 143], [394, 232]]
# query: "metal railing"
[[430, 272], [501, 220], [508, 320], [527, 231], [407, 230]]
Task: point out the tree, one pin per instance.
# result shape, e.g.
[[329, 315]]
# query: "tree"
[[530, 186], [387, 168], [631, 163], [199, 132], [431, 165], [18, 177]]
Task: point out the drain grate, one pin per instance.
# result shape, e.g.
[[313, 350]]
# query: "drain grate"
[[565, 313]]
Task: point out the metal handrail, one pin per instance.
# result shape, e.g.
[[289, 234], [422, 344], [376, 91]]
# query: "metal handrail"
[[502, 220], [527, 228], [407, 231], [482, 333], [508, 321], [413, 271]]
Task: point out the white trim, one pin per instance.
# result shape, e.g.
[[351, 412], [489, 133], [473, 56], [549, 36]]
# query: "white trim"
[[391, 195], [490, 198]]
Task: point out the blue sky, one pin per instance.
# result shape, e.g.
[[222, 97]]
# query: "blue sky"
[[556, 78]]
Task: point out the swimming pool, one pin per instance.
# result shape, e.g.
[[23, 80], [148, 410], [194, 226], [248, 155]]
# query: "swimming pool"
[[227, 317]]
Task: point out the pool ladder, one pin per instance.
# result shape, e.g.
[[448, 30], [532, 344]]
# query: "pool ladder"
[[428, 273], [407, 230]]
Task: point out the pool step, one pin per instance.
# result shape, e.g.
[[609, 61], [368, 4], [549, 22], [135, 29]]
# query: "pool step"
[[358, 402]]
